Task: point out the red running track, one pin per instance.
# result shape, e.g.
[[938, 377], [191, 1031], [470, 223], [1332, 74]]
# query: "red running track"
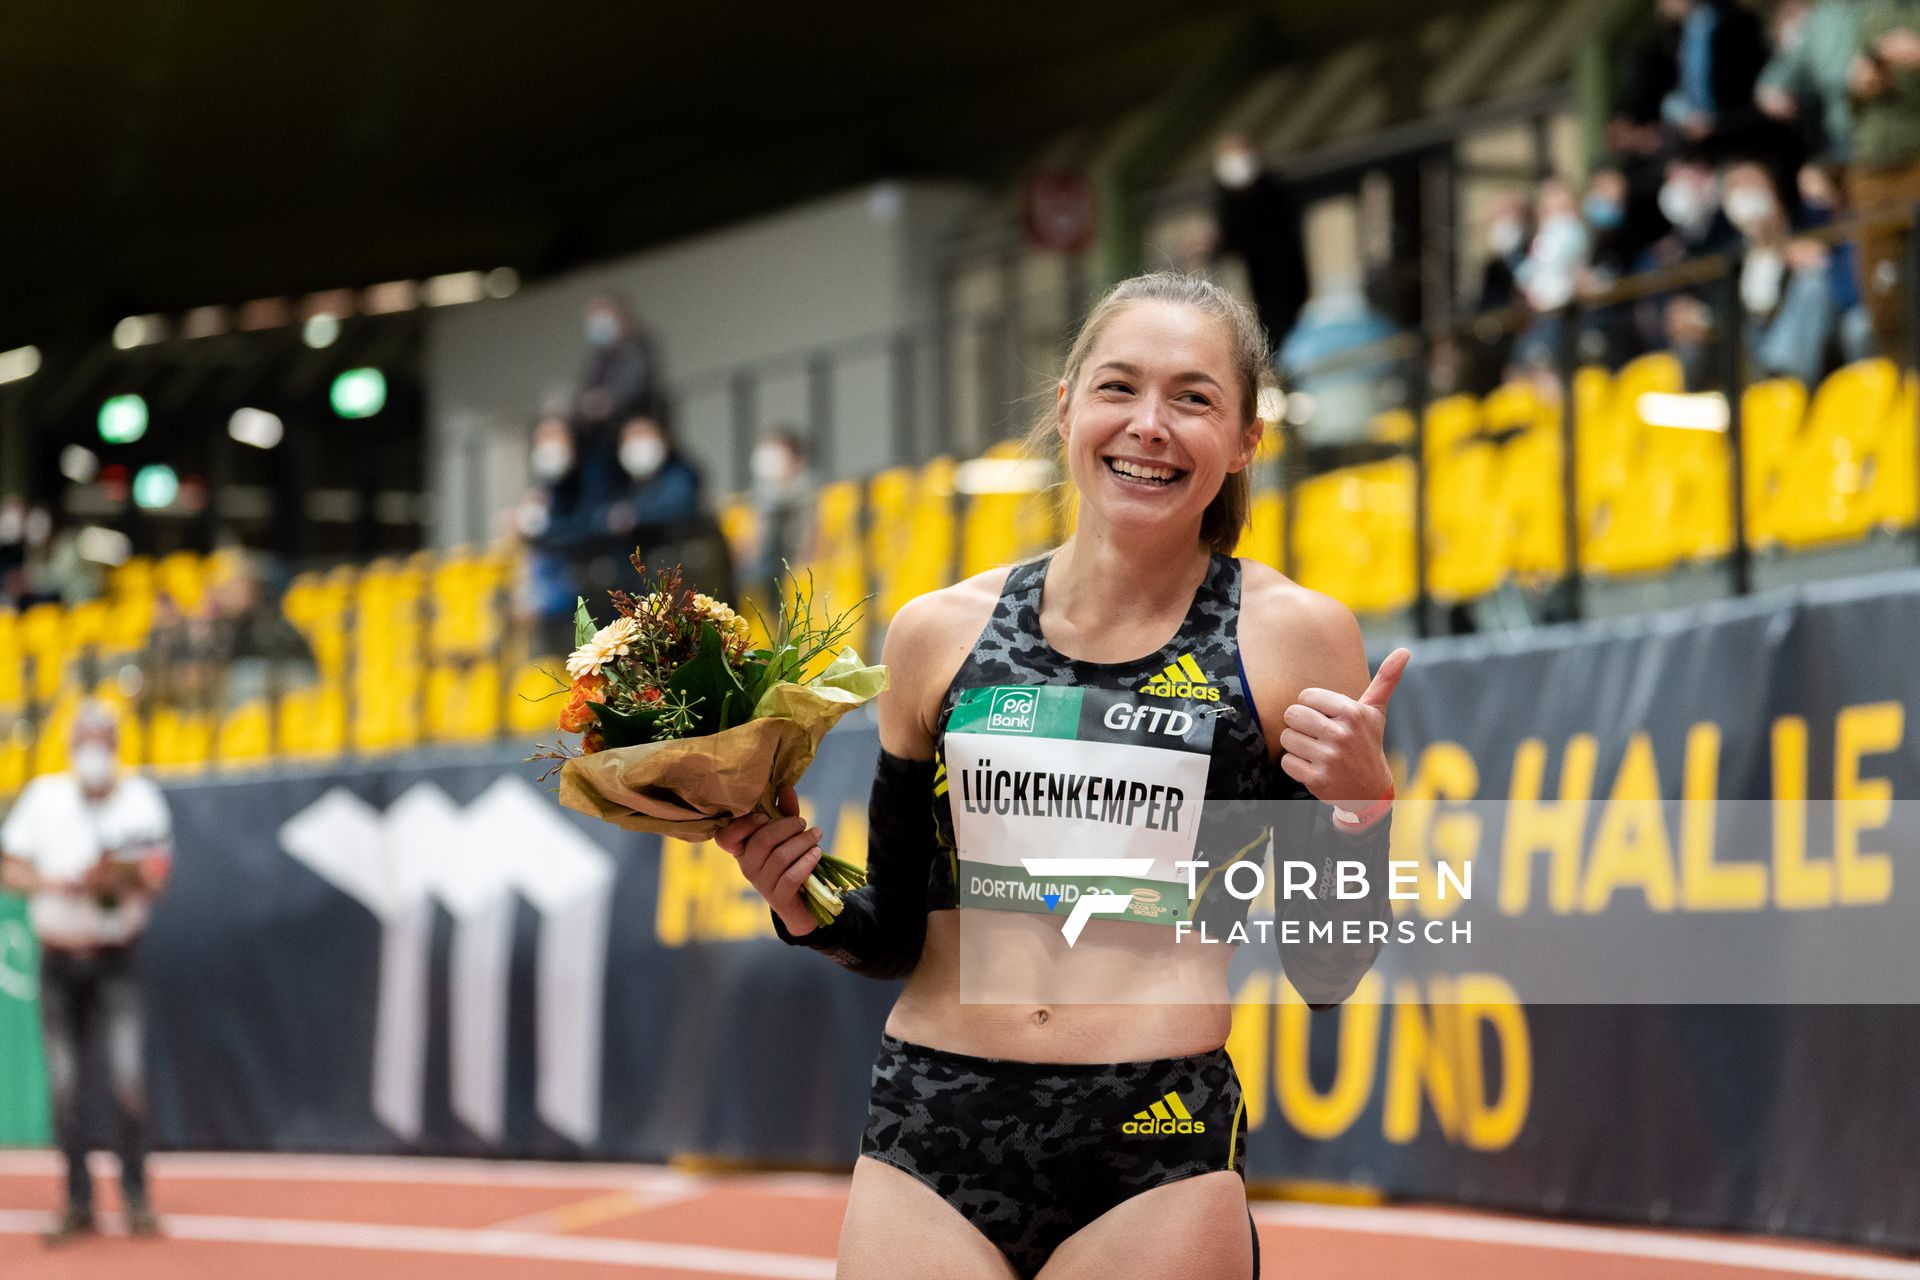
[[240, 1217]]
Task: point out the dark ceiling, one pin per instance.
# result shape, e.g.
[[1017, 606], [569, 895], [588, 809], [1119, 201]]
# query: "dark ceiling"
[[171, 153]]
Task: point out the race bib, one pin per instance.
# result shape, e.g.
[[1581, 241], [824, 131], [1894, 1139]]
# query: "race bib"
[[1043, 771]]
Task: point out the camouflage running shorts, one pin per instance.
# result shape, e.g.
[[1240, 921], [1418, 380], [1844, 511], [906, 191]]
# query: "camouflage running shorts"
[[1030, 1152]]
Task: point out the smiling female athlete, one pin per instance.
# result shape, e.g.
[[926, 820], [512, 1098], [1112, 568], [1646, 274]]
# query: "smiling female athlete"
[[1058, 1137]]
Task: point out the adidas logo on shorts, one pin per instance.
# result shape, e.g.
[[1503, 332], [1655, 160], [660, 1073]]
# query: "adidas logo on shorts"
[[1182, 679], [1169, 1115]]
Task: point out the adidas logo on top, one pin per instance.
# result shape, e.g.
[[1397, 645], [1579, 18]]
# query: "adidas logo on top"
[[1182, 679], [1169, 1115]]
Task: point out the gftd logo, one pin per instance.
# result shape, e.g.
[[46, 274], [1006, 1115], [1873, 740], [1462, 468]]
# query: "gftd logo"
[[1097, 903], [477, 862]]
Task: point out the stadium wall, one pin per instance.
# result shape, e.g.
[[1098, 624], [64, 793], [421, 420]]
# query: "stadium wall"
[[431, 956]]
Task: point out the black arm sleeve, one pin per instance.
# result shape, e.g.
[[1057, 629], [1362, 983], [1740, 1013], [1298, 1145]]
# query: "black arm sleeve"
[[883, 924], [1324, 971]]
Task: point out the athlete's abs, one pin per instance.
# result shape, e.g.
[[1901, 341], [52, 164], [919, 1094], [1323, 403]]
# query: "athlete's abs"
[[930, 1012]]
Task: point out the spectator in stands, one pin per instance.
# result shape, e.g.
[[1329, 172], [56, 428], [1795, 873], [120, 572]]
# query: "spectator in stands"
[[1509, 232], [1690, 199], [1258, 221], [1804, 84], [1884, 178], [1487, 349], [621, 379], [1556, 260], [1335, 357], [259, 653], [658, 486], [91, 848], [1717, 61], [1633, 131], [1690, 202], [1620, 241], [1784, 286], [1822, 203], [563, 514], [783, 499], [659, 512], [166, 662]]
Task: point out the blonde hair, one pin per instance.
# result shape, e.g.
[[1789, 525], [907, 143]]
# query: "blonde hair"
[[1227, 514]]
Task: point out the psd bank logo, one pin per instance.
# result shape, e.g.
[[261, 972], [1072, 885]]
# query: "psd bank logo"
[[1013, 710], [474, 861]]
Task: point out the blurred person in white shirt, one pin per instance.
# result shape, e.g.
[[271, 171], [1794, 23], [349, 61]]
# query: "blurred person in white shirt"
[[91, 849]]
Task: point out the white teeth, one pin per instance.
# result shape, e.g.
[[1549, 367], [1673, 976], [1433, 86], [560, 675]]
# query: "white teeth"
[[1140, 472]]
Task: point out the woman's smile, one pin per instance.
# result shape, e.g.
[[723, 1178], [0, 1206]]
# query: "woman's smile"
[[1137, 473]]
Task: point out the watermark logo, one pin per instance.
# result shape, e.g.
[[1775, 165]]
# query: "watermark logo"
[[1089, 904]]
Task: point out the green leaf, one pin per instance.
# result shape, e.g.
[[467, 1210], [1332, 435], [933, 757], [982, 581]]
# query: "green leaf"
[[583, 627], [708, 677], [625, 729]]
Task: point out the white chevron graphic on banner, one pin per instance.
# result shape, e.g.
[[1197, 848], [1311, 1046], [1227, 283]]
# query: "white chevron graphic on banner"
[[473, 861]]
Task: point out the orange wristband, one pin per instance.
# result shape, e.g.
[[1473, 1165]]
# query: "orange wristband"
[[1361, 819]]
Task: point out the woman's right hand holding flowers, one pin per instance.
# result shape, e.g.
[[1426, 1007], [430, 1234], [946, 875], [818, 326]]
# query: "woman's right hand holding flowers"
[[776, 855]]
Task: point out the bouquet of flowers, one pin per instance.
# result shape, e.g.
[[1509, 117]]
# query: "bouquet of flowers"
[[685, 727]]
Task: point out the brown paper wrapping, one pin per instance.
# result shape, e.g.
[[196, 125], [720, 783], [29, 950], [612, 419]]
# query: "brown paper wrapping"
[[689, 788]]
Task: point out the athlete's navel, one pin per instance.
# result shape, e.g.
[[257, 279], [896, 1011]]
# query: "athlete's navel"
[[1040, 1017]]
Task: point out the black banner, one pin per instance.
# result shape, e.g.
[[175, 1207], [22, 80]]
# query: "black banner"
[[430, 955]]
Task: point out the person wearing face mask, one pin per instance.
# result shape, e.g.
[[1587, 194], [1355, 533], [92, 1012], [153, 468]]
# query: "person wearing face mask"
[[1689, 199], [659, 511], [1551, 271], [1823, 201], [562, 516], [1258, 221], [783, 508], [1784, 286], [1620, 236], [622, 374], [91, 849], [1485, 352]]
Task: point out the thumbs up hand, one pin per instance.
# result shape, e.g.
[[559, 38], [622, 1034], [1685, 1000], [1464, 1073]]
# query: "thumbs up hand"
[[1332, 743]]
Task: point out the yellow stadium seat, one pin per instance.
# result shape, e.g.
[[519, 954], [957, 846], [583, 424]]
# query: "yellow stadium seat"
[[1464, 557], [179, 742], [13, 664], [245, 737], [1002, 528], [535, 699], [50, 742], [1824, 497], [839, 564], [132, 579], [463, 701], [1895, 485], [311, 723], [16, 756], [43, 636], [890, 502], [1771, 413], [1532, 480], [1353, 537], [182, 575], [1395, 426], [1265, 530]]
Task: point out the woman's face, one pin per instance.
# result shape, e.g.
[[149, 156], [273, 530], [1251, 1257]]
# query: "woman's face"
[[1152, 424]]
